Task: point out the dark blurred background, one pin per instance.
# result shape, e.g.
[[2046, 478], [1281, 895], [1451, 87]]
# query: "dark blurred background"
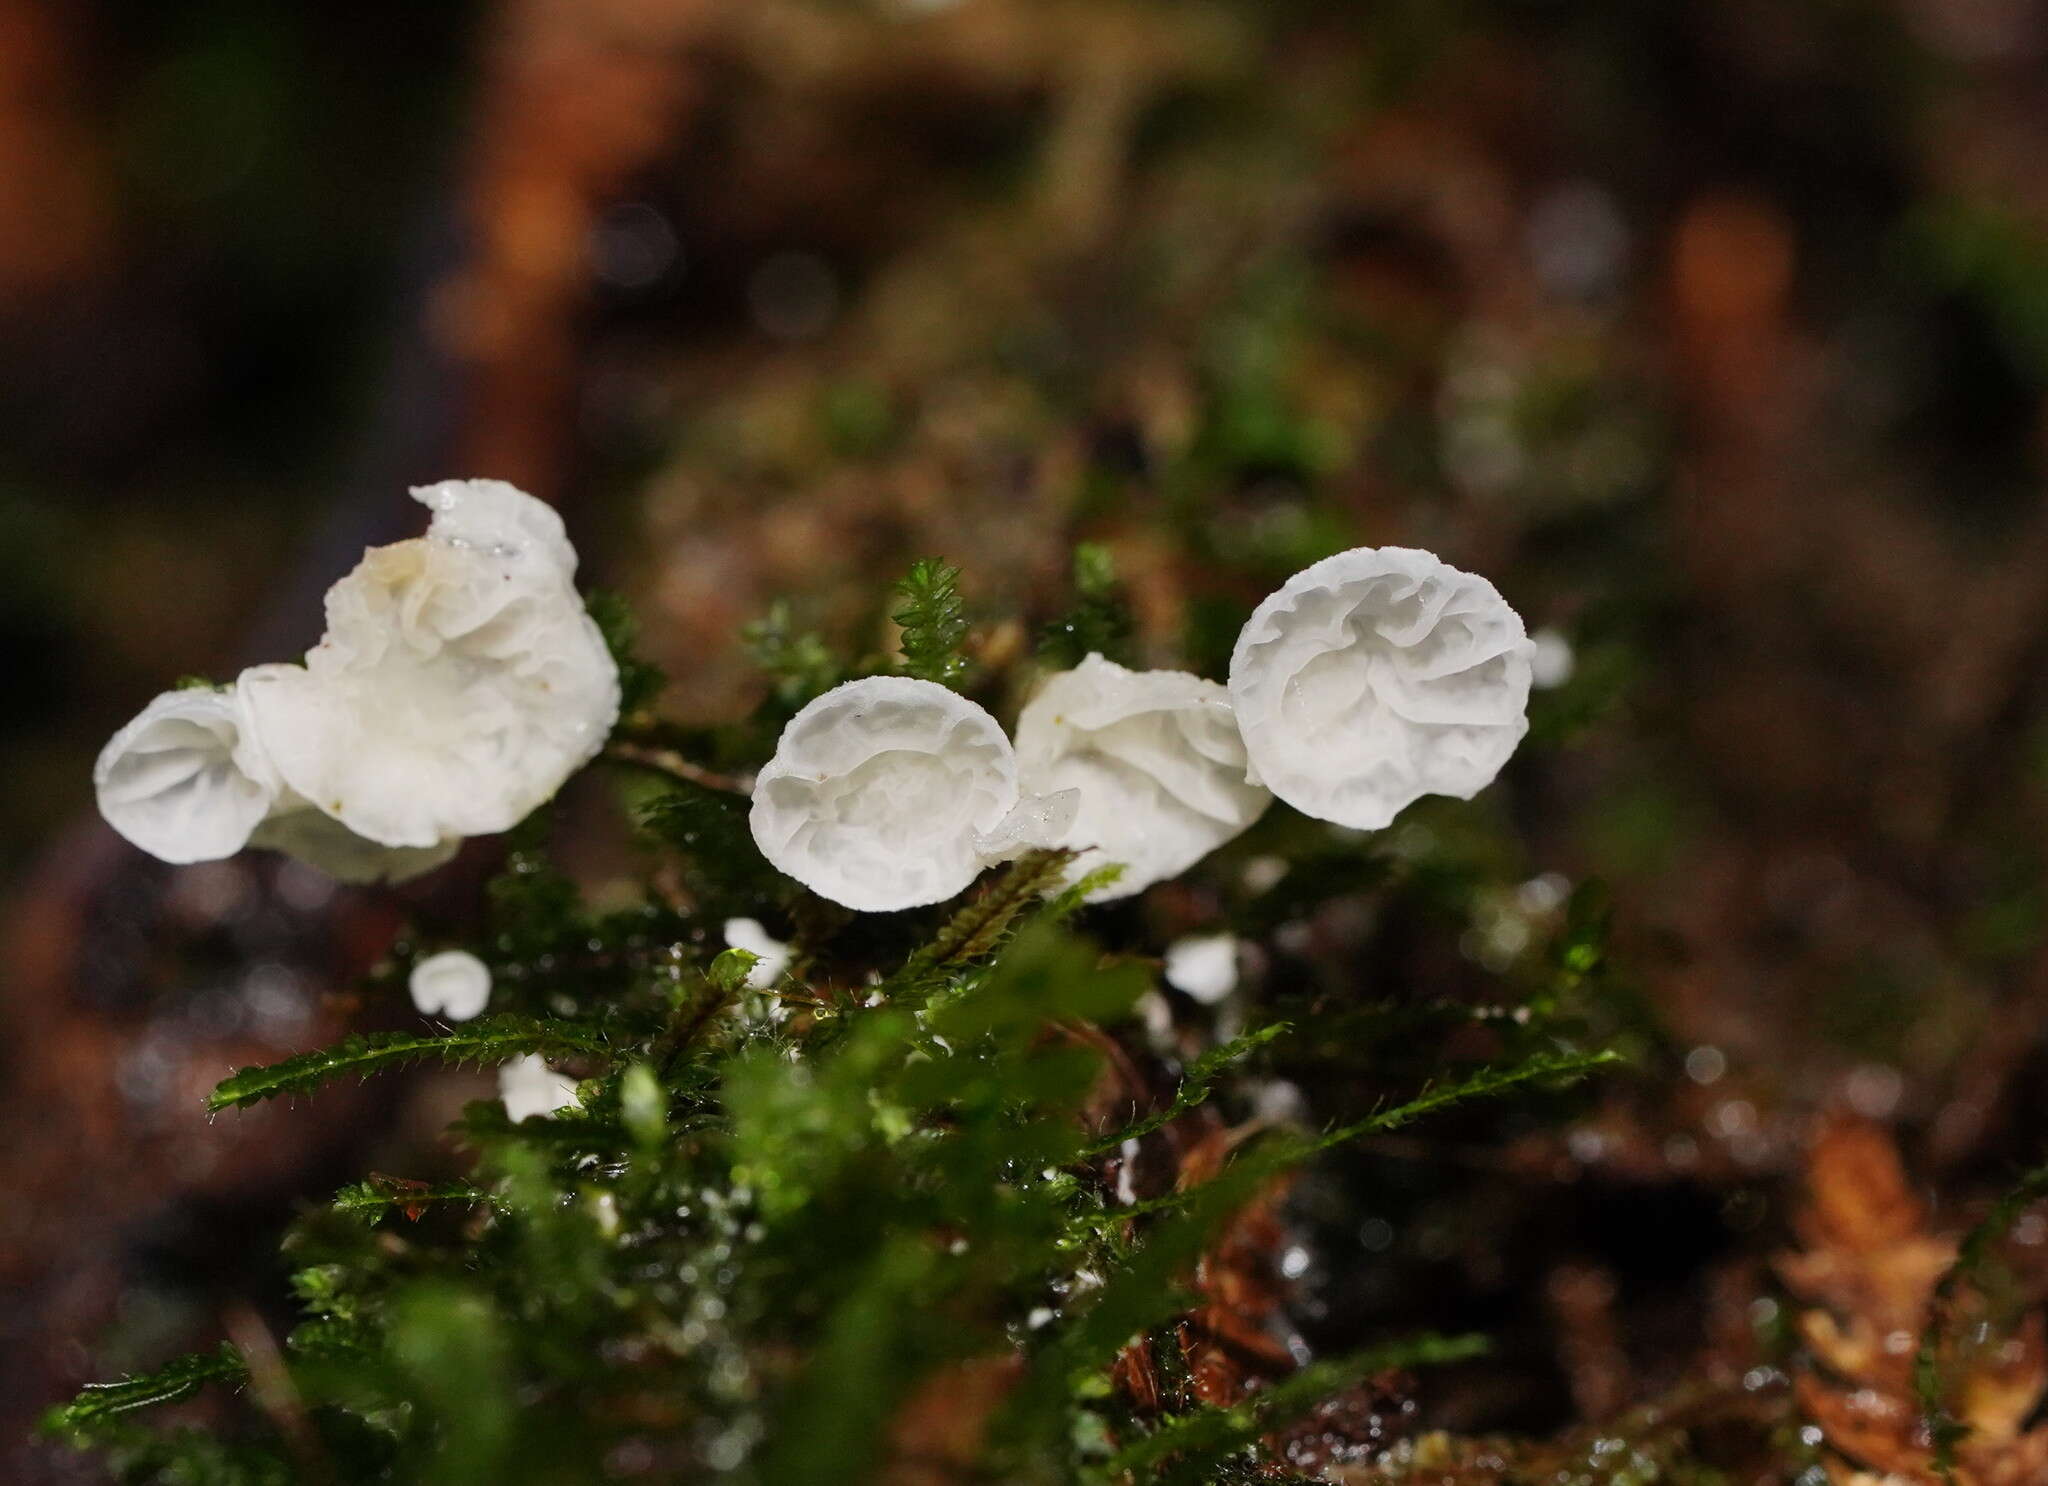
[[1715, 332]]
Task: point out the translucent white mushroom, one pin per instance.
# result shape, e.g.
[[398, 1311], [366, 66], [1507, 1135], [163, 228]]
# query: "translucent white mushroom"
[[1155, 759], [771, 954], [529, 1087], [176, 780], [459, 683], [1377, 676], [1036, 820], [454, 985], [888, 792], [1203, 965]]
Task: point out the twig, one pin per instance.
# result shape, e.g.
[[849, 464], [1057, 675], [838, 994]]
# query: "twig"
[[667, 761]]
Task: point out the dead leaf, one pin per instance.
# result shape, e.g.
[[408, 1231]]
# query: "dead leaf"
[[1867, 1277]]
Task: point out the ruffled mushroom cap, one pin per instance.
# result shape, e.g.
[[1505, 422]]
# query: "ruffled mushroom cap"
[[454, 984], [1377, 676], [887, 793], [175, 782], [1034, 821], [500, 519], [459, 683], [1155, 760]]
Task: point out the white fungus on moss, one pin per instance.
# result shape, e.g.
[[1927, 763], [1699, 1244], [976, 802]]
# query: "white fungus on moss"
[[459, 683], [454, 985], [1155, 760], [176, 781], [1377, 676], [889, 792], [529, 1087]]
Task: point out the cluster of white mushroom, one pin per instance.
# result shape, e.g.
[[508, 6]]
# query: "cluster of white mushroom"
[[459, 683], [1368, 680]]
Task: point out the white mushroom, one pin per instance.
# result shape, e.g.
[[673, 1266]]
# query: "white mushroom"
[[1377, 676], [454, 984], [500, 519], [1203, 965], [888, 792], [529, 1088], [459, 683], [175, 781], [771, 955], [187, 782], [1553, 660], [1156, 761]]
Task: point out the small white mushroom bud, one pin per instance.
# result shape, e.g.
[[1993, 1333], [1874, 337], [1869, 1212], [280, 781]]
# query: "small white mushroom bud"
[[1204, 966], [771, 955], [529, 1088], [454, 985], [1377, 676], [1553, 661], [459, 683], [177, 783], [1156, 761], [888, 793]]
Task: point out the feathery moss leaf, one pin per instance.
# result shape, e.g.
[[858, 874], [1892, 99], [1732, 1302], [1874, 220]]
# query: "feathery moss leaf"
[[978, 928], [1100, 621], [1487, 1083], [798, 663], [375, 1196], [714, 851], [1194, 1086], [98, 1402], [1282, 1154], [933, 619], [493, 1040]]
